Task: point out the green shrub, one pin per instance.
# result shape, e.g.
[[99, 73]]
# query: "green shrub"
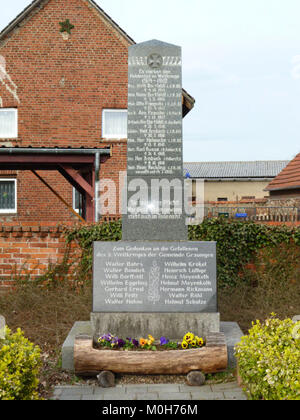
[[85, 236], [19, 367], [238, 243], [269, 360]]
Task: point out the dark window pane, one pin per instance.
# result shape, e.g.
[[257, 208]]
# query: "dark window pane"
[[78, 202]]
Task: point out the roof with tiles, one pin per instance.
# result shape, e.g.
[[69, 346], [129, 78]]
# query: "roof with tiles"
[[288, 178], [235, 170]]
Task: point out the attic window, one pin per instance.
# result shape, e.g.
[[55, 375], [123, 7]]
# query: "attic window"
[[8, 123]]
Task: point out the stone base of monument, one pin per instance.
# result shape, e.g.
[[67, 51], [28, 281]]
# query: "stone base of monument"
[[212, 358], [171, 325]]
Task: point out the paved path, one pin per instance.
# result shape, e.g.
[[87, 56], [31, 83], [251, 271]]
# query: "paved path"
[[227, 391]]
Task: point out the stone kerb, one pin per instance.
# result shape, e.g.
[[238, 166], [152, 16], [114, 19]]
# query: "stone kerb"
[[2, 327]]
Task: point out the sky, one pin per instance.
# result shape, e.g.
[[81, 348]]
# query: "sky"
[[241, 62]]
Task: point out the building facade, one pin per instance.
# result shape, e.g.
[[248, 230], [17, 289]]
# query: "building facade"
[[234, 181], [64, 77], [63, 128]]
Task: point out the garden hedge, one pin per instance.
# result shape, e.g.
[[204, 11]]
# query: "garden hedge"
[[19, 367], [269, 360]]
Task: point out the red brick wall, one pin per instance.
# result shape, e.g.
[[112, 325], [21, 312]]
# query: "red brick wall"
[[28, 249], [62, 87]]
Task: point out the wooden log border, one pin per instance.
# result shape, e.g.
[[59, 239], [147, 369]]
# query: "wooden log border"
[[212, 358]]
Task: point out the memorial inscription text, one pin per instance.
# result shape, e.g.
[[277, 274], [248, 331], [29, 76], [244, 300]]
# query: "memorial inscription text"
[[161, 277]]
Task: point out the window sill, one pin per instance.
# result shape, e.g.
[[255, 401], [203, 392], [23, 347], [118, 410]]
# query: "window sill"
[[121, 140], [115, 138]]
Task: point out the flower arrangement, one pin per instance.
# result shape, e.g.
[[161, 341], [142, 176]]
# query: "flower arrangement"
[[112, 342], [190, 341]]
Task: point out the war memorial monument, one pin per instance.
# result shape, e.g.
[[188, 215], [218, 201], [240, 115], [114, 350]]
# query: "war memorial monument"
[[155, 281]]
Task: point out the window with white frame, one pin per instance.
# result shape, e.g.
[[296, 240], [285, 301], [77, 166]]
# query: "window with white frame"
[[8, 196], [8, 123], [114, 123]]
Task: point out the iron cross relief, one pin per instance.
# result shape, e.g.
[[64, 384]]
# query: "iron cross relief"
[[66, 26], [155, 61]]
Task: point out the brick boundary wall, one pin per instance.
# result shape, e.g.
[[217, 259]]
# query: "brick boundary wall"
[[290, 224], [29, 250]]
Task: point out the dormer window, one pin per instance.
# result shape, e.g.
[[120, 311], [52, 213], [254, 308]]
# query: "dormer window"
[[8, 123]]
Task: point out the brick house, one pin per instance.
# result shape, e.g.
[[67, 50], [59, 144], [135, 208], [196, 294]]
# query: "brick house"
[[63, 119], [286, 184], [285, 188]]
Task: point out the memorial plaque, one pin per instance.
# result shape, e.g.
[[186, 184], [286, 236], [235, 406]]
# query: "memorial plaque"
[[154, 110], [160, 215], [159, 277], [154, 149]]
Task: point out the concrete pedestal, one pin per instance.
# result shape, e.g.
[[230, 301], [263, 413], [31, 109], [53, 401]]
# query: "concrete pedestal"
[[137, 325]]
